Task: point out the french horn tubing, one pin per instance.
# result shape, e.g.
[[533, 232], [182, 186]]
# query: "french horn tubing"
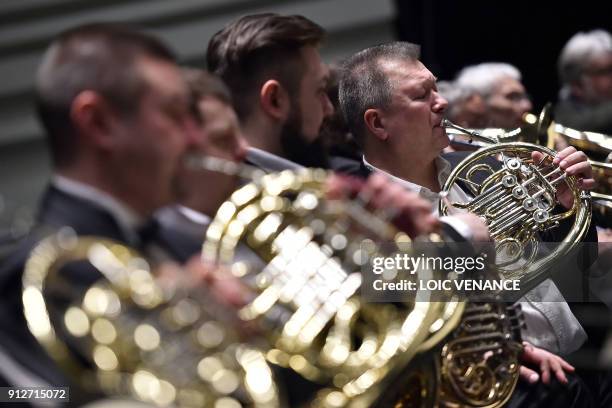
[[127, 335], [517, 200]]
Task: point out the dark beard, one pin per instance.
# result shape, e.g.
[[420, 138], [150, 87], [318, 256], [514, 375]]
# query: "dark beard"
[[297, 149]]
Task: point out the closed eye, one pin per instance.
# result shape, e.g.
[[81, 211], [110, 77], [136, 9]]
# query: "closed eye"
[[422, 96]]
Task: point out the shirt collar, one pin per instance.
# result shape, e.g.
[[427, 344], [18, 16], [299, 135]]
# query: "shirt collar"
[[443, 169], [127, 219]]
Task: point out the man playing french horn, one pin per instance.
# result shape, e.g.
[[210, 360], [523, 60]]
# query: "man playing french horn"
[[391, 104]]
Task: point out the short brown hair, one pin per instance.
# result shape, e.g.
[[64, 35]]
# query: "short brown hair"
[[203, 84], [254, 48], [100, 57]]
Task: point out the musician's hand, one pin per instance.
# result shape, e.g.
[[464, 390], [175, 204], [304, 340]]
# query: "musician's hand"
[[547, 362], [574, 163], [409, 212], [225, 287], [604, 235]]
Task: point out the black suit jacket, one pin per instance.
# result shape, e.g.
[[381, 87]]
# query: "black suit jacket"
[[58, 209]]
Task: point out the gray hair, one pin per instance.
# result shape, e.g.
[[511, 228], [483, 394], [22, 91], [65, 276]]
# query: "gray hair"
[[579, 50], [482, 78], [455, 95], [364, 85]]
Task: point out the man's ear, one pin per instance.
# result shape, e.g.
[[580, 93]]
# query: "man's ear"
[[375, 124], [93, 119], [274, 99]]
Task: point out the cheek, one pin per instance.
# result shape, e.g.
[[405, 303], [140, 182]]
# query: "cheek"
[[604, 85], [312, 118]]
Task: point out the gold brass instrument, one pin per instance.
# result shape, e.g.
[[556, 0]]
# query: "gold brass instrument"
[[172, 346], [602, 197], [328, 339], [541, 130], [534, 130], [597, 143], [312, 253], [127, 335], [516, 200]]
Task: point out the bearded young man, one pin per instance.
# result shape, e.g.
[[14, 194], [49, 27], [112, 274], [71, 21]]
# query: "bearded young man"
[[271, 64]]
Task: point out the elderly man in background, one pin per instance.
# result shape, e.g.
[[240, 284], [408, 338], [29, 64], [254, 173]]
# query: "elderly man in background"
[[466, 107], [504, 96], [585, 71]]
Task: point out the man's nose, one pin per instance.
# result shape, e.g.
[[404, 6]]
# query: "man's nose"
[[193, 134], [328, 106], [240, 151], [526, 105], [440, 104]]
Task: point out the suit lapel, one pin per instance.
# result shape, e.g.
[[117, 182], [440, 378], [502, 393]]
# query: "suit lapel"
[[60, 209]]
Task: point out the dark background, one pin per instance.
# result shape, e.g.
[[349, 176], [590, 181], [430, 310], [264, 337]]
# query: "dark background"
[[527, 34]]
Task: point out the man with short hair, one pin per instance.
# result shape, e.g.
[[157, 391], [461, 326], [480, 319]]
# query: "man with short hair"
[[272, 66], [116, 112], [585, 71], [203, 191], [392, 106]]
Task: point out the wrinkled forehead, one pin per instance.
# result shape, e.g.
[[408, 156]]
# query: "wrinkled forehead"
[[603, 60], [405, 72], [508, 84]]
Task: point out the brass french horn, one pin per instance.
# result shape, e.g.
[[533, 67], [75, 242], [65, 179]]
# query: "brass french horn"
[[127, 335], [517, 199], [543, 131]]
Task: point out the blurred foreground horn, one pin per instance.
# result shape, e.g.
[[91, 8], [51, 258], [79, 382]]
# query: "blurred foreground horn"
[[309, 252], [126, 335]]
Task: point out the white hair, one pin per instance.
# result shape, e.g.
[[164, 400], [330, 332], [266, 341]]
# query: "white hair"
[[578, 52], [455, 95], [482, 78]]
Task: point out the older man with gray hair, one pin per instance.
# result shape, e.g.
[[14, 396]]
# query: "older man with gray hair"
[[499, 85], [466, 107], [393, 107], [585, 71]]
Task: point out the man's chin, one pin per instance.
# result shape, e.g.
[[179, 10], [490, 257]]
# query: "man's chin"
[[441, 137]]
